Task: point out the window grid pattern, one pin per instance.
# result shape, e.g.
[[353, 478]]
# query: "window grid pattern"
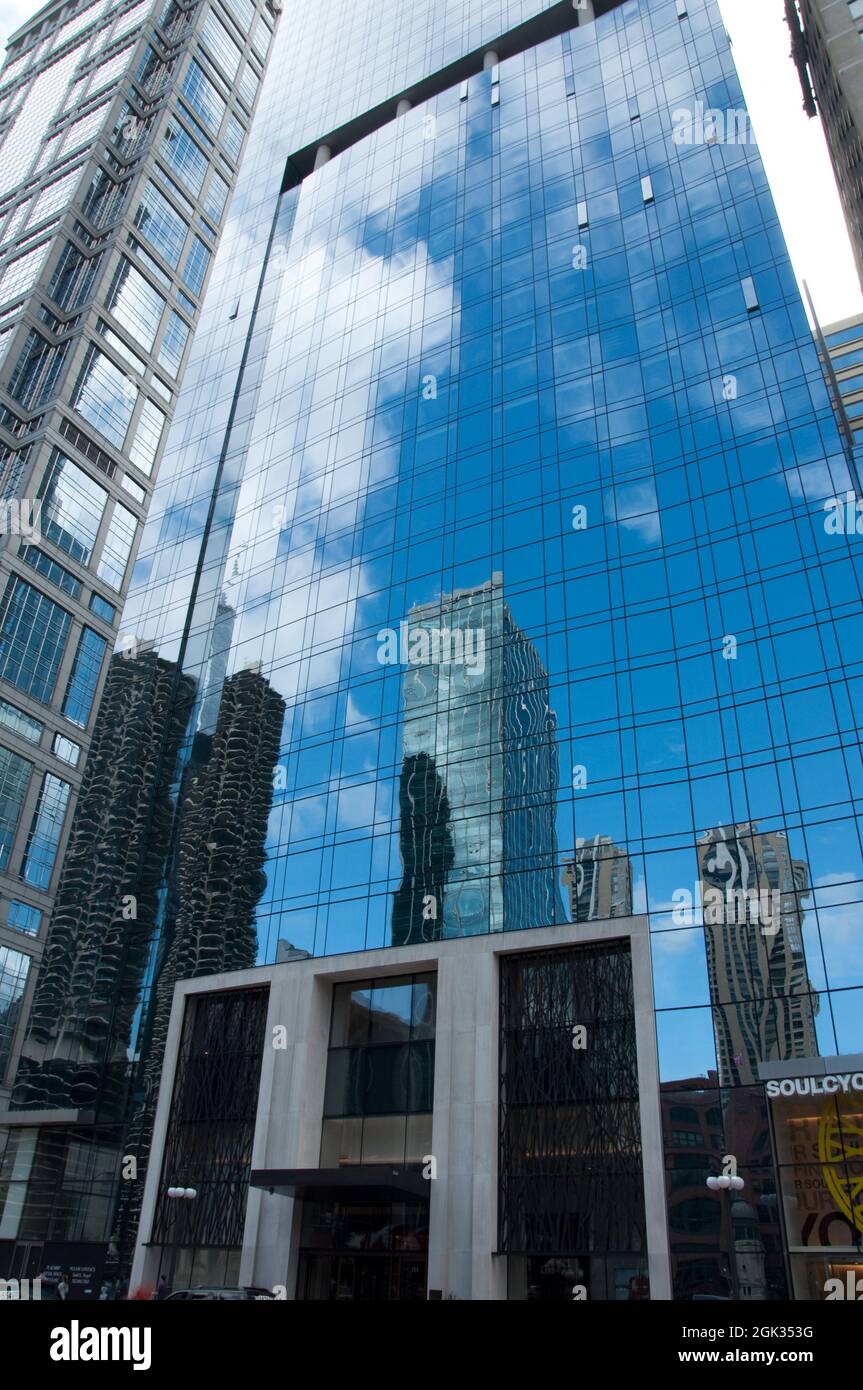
[[14, 970], [44, 837], [161, 225], [24, 918], [118, 546], [33, 633], [105, 397], [187, 160], [220, 45], [14, 781], [84, 677], [20, 723], [72, 508], [173, 344], [135, 304], [203, 97]]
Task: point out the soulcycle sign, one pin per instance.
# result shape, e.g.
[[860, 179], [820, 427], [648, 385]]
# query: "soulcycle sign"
[[841, 1083]]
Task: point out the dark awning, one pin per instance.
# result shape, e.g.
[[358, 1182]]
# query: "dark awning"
[[360, 1183]]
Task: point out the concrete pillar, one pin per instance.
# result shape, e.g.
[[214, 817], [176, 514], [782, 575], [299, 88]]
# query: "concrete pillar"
[[585, 10], [323, 156], [403, 107], [650, 1113], [489, 60], [287, 1134], [463, 1212]]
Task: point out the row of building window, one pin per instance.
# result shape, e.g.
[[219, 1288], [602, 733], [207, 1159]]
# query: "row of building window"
[[33, 634], [43, 838]]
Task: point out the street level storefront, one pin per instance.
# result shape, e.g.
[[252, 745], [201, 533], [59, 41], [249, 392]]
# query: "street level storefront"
[[817, 1130]]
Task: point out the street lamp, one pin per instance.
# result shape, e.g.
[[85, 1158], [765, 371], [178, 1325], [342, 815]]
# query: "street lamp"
[[178, 1194], [723, 1183]]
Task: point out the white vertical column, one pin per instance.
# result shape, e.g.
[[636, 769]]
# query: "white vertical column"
[[288, 1129], [463, 1214], [650, 1114]]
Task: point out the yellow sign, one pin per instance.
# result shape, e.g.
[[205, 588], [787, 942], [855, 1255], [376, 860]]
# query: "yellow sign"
[[840, 1150]]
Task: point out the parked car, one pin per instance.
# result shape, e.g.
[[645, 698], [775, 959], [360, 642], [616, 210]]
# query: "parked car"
[[220, 1291]]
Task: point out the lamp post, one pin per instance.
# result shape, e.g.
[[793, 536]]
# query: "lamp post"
[[178, 1194], [724, 1183]]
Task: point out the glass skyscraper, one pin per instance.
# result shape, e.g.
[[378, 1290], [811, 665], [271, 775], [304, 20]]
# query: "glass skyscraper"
[[489, 628]]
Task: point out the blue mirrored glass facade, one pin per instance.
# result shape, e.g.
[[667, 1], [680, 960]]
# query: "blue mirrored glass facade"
[[489, 583]]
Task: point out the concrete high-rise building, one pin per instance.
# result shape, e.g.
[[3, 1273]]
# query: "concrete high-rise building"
[[599, 881], [843, 342], [827, 46], [121, 130], [489, 525], [764, 1003]]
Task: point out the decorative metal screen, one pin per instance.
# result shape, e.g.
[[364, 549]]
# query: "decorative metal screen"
[[570, 1169], [212, 1121]]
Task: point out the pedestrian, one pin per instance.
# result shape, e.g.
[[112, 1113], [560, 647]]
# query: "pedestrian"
[[164, 1287], [64, 1287]]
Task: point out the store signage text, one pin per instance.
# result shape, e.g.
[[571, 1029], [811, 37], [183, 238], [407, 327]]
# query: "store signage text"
[[816, 1085]]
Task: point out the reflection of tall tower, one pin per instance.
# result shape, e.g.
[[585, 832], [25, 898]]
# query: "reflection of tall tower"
[[764, 1005], [225, 802], [427, 854], [477, 794], [96, 953], [599, 880], [217, 666]]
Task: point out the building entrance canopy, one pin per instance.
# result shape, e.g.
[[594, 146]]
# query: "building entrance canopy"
[[369, 1182]]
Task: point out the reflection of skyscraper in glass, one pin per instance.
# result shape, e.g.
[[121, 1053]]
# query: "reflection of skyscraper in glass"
[[96, 953], [764, 1005], [598, 880], [225, 800], [480, 774]]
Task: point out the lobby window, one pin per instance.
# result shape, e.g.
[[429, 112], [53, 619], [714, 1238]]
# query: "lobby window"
[[380, 1072]]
